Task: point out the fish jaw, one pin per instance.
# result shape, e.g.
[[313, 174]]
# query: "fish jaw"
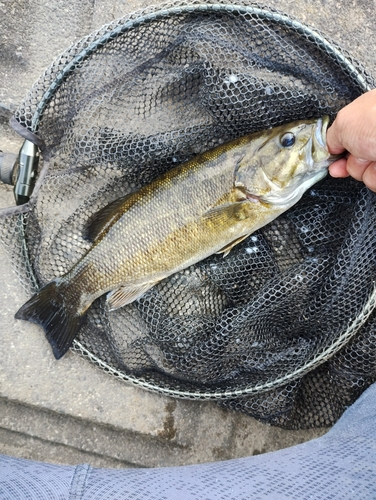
[[293, 195]]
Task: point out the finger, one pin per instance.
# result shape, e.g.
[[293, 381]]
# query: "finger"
[[369, 176], [333, 140], [338, 168], [356, 167]]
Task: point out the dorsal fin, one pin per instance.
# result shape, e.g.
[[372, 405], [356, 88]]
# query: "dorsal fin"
[[101, 221]]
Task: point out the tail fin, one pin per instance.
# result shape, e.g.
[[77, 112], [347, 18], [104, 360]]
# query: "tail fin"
[[51, 310]]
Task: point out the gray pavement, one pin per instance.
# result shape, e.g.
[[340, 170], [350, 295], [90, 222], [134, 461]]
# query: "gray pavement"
[[69, 411]]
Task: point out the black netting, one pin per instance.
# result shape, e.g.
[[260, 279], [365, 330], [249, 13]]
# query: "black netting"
[[281, 328]]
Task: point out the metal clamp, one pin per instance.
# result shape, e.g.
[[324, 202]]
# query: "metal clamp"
[[20, 170], [27, 172]]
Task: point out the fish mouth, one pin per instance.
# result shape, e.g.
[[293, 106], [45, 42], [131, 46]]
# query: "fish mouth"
[[320, 131], [318, 152], [319, 144]]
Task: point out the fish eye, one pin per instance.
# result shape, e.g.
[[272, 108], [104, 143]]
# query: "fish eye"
[[287, 140]]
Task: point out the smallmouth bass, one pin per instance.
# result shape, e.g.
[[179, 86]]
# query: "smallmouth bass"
[[204, 206]]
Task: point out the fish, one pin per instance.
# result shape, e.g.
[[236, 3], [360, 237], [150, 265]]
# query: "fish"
[[204, 206]]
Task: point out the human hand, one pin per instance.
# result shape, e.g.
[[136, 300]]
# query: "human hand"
[[354, 130]]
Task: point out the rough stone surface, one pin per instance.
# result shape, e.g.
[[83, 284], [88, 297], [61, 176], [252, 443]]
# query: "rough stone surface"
[[69, 411]]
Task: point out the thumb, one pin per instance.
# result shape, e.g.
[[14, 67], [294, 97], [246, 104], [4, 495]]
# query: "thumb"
[[333, 139]]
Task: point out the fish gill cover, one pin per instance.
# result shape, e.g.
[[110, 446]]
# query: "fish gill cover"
[[283, 327]]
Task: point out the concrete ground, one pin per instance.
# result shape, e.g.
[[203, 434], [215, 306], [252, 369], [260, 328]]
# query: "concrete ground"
[[71, 412]]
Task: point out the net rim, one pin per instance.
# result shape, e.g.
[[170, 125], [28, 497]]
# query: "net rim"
[[316, 361]]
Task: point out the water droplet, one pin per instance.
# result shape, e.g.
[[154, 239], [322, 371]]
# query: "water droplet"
[[250, 250], [269, 90], [233, 79]]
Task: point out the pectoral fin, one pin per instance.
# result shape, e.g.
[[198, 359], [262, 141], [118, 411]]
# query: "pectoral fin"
[[228, 212], [227, 249], [126, 294]]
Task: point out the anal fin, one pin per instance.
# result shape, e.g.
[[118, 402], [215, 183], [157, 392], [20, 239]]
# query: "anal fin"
[[126, 294]]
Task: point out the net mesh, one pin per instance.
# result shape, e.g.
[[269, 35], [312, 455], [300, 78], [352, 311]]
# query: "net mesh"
[[283, 327]]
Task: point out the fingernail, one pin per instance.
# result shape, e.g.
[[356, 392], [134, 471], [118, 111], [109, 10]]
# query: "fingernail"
[[362, 160]]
